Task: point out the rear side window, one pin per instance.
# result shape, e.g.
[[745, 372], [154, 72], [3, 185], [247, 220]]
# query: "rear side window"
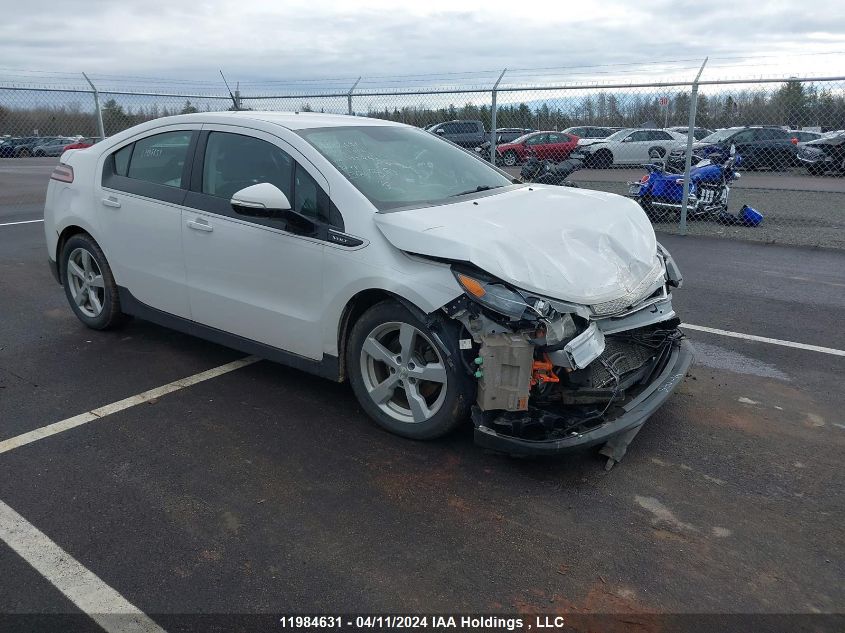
[[160, 158], [235, 161]]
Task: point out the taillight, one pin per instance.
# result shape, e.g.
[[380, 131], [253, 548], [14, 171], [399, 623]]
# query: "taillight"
[[644, 179], [62, 173]]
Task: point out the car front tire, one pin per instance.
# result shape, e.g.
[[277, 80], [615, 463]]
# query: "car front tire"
[[603, 159], [510, 158], [402, 376], [89, 284]]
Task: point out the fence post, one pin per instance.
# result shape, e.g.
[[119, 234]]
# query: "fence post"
[[493, 119], [98, 112], [349, 96], [693, 106]]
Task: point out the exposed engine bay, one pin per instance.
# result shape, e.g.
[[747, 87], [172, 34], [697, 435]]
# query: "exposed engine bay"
[[552, 375]]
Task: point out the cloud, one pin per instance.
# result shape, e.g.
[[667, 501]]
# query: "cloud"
[[255, 40]]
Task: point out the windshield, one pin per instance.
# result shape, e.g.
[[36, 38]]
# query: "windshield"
[[717, 136], [402, 166]]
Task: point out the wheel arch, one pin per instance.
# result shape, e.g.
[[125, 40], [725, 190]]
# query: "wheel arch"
[[65, 234], [357, 305]]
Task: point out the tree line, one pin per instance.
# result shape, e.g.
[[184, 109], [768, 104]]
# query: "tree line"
[[791, 103]]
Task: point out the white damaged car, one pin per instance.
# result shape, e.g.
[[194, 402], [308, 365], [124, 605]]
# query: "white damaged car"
[[373, 252]]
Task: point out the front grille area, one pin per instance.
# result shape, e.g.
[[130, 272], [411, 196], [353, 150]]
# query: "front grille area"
[[620, 356]]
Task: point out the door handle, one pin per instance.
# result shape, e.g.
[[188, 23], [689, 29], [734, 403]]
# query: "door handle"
[[112, 202], [200, 225]]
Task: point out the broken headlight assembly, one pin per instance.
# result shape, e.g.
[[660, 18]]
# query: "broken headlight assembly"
[[495, 295]]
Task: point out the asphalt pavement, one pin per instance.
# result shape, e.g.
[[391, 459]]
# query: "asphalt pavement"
[[268, 491]]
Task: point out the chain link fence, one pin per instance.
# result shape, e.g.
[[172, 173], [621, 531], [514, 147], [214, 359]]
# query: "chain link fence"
[[765, 160]]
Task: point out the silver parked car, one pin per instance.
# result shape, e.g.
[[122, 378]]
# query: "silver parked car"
[[374, 252], [53, 147]]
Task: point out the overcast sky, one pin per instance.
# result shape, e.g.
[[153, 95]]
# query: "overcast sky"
[[295, 40]]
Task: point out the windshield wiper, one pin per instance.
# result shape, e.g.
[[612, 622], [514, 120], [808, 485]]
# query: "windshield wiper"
[[476, 190]]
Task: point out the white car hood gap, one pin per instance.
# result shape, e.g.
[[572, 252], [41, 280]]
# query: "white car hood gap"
[[565, 243]]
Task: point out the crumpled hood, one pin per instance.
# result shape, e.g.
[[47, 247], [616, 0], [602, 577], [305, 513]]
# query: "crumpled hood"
[[590, 141], [570, 244]]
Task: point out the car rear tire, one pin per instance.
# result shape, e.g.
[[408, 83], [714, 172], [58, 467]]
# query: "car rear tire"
[[510, 158], [603, 159], [39, 153], [24, 153], [402, 377], [656, 152], [89, 284]]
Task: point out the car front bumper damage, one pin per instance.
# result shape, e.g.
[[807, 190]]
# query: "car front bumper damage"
[[555, 428]]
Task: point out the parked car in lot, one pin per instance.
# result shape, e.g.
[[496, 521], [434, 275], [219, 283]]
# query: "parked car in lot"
[[759, 146], [586, 133], [800, 138], [824, 154], [463, 133], [628, 147], [554, 146], [83, 143], [53, 147], [698, 132], [20, 147], [365, 250]]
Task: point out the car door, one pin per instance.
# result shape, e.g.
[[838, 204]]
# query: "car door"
[[747, 143], [555, 147], [140, 191], [255, 277], [633, 148], [534, 145], [664, 140]]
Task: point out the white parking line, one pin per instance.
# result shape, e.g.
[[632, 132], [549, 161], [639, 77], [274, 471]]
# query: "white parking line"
[[96, 414], [21, 222], [80, 585], [764, 339]]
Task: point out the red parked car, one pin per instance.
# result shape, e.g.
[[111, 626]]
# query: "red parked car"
[[554, 146], [81, 143]]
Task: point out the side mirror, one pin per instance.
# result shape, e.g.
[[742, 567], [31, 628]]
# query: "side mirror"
[[440, 131], [269, 202], [260, 200]]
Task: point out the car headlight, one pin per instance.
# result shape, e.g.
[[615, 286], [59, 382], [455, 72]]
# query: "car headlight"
[[494, 295]]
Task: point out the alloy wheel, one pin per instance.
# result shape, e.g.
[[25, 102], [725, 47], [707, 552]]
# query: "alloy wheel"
[[85, 281], [403, 372]]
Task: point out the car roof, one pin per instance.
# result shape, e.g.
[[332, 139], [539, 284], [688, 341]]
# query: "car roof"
[[290, 120]]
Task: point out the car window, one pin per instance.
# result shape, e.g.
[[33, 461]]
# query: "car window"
[[772, 134], [307, 198], [580, 131], [160, 158], [121, 160], [537, 139], [450, 128], [641, 135], [659, 135], [468, 128], [235, 161], [746, 136]]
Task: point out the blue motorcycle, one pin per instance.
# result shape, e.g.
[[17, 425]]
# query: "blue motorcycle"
[[660, 191]]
